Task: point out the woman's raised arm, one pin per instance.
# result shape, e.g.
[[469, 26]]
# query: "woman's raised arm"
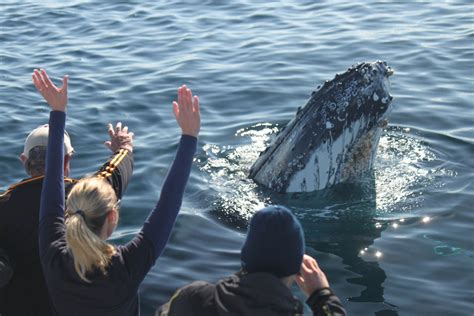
[[52, 194]]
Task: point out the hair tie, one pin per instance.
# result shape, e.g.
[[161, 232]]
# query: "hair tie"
[[80, 213]]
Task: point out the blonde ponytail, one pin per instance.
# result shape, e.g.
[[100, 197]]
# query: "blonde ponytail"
[[87, 206]]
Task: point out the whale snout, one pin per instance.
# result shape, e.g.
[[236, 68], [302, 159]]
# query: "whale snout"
[[390, 71], [383, 67]]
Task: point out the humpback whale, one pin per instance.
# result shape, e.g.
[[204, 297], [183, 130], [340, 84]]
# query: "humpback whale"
[[334, 137]]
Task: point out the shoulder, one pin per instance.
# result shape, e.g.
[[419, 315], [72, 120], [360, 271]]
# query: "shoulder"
[[30, 183], [4, 197], [193, 299], [23, 184], [198, 288], [194, 293], [199, 295], [26, 194], [17, 192]]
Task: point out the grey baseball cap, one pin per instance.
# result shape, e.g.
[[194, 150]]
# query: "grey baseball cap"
[[39, 137]]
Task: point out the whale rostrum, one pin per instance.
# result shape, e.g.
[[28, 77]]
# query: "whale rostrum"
[[334, 137]]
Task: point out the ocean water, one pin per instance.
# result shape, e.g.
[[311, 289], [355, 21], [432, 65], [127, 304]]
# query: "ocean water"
[[403, 248]]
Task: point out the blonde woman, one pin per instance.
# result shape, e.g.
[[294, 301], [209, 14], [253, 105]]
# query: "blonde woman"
[[86, 275]]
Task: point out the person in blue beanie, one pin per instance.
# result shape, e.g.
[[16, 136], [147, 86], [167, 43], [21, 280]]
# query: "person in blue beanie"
[[272, 259], [85, 274]]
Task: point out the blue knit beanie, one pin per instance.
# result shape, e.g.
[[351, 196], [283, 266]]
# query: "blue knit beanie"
[[274, 244]]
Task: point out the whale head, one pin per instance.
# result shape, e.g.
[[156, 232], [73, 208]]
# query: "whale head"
[[334, 137]]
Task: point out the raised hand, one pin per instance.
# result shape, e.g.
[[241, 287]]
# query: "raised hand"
[[311, 277], [187, 112], [119, 138], [56, 97]]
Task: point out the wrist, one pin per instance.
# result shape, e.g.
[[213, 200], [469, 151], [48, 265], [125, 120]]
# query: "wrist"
[[195, 135], [127, 147], [117, 148], [319, 295], [188, 140]]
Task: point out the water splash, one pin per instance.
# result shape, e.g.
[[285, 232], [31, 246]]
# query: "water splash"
[[228, 167], [405, 166], [403, 170]]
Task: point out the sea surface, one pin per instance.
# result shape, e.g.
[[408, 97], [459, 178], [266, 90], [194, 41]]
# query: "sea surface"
[[403, 248]]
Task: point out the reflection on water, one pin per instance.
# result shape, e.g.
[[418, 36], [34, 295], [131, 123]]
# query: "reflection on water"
[[442, 248], [344, 220]]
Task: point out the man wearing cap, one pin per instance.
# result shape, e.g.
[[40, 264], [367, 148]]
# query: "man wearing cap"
[[272, 259], [22, 287]]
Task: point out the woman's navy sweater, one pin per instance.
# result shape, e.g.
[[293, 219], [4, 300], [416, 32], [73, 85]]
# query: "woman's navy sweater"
[[116, 292]]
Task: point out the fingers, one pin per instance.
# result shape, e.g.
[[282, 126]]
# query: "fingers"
[[42, 81], [175, 109], [108, 144], [46, 79], [189, 99], [56, 98], [309, 267], [305, 269], [305, 264], [38, 80], [118, 127], [310, 262], [110, 130], [185, 100], [181, 95], [314, 264], [196, 108], [300, 281], [37, 83], [65, 84], [186, 103], [118, 131]]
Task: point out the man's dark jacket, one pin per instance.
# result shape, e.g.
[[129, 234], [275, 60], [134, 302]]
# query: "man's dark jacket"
[[25, 292], [247, 294]]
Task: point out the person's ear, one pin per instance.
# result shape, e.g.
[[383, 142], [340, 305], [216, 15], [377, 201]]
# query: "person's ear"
[[67, 165], [67, 160], [23, 158], [112, 216]]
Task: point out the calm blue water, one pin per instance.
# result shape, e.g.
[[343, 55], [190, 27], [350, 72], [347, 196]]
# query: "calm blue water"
[[404, 248]]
